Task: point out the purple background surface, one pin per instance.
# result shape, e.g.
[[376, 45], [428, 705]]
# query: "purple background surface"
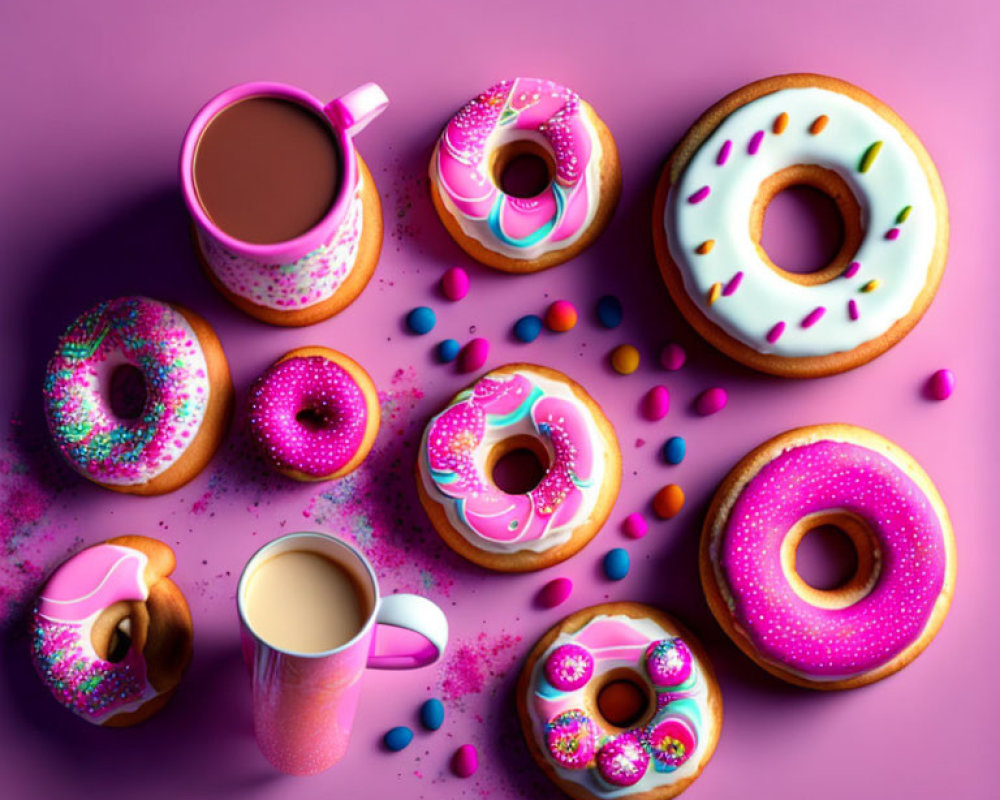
[[96, 99]]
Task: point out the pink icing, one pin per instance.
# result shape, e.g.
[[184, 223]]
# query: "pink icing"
[[787, 630], [330, 394], [73, 593]]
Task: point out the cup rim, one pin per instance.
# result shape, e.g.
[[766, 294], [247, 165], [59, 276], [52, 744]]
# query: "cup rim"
[[260, 555], [289, 249]]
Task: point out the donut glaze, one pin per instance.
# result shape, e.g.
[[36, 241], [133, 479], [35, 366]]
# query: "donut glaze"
[[900, 603]]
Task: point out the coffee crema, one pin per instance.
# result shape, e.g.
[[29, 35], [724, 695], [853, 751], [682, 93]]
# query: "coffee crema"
[[266, 169]]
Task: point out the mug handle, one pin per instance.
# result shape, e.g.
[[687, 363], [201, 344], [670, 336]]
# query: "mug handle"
[[353, 111], [410, 631]]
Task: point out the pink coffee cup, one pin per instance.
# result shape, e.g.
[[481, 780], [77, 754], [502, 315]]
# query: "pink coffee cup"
[[304, 703]]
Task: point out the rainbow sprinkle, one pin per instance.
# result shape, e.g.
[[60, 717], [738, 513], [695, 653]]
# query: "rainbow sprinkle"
[[754, 144], [813, 317], [869, 157], [700, 195], [818, 124], [724, 151], [903, 215], [871, 286], [705, 247], [715, 292], [780, 123]]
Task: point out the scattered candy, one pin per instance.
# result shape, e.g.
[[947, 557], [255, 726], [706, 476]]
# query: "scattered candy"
[[555, 592], [668, 501], [421, 320], [609, 311], [447, 350], [674, 450], [672, 356], [711, 400], [455, 283], [656, 403], [635, 526], [561, 316], [432, 714], [473, 355], [616, 563], [625, 359], [941, 384], [465, 762], [398, 738], [527, 328]]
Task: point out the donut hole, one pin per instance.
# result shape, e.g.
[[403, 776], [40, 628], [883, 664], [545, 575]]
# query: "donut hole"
[[314, 418], [624, 699], [115, 628], [806, 224], [523, 169], [127, 392], [518, 464], [121, 641], [826, 558]]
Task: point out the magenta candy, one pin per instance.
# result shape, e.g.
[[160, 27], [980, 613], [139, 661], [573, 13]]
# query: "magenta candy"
[[473, 355], [571, 739], [555, 592], [623, 761], [668, 662], [711, 401], [672, 357], [656, 403], [569, 667], [941, 384], [635, 525], [465, 762], [455, 283]]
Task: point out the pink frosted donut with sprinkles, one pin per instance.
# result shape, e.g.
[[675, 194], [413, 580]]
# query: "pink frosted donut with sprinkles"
[[708, 218], [886, 613], [536, 123], [110, 633], [520, 470], [652, 747], [314, 414], [138, 395]]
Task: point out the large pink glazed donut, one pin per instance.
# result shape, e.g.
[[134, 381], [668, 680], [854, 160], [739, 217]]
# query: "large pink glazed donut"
[[886, 614], [111, 633], [315, 414], [510, 119]]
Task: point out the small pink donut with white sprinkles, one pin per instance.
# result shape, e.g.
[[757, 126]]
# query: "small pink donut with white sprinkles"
[[314, 414]]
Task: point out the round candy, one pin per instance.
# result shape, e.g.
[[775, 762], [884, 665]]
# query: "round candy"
[[671, 740], [668, 501], [432, 714], [616, 563], [555, 592], [625, 359], [527, 328], [711, 400], [609, 311], [473, 355], [623, 761], [656, 403], [447, 351], [561, 316], [668, 662], [397, 738], [672, 356], [465, 762], [635, 525], [421, 320], [674, 450], [569, 667], [571, 739], [941, 384], [455, 283]]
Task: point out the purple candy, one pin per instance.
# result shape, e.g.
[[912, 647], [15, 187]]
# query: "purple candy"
[[711, 401], [656, 403], [635, 526], [455, 283], [623, 760], [555, 592], [941, 384], [473, 355], [668, 662], [672, 356], [569, 667]]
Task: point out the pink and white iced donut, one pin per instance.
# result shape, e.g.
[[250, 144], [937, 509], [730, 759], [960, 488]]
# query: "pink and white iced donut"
[[111, 633], [882, 617], [518, 118], [314, 414], [617, 701], [554, 428]]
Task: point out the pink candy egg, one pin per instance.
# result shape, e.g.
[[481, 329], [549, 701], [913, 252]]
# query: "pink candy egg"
[[656, 403], [455, 283], [555, 592], [711, 400], [465, 762], [672, 357], [473, 355], [941, 384], [635, 526]]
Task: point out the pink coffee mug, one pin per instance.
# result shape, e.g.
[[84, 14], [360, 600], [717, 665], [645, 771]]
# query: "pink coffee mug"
[[304, 703], [308, 269]]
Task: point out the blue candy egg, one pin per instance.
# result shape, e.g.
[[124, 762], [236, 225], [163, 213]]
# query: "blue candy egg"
[[616, 563], [527, 328], [674, 450], [609, 311], [447, 351], [432, 714], [398, 738], [421, 320]]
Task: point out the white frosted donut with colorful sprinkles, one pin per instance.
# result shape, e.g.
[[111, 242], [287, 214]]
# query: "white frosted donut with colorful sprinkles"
[[801, 130], [675, 724], [518, 234], [519, 407]]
